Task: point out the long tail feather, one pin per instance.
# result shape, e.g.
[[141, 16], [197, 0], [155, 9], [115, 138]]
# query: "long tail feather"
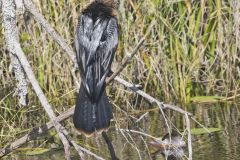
[[91, 116]]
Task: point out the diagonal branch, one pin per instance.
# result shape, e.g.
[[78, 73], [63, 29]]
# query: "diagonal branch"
[[128, 58], [38, 131], [11, 34], [150, 98], [189, 137], [60, 130], [39, 18], [32, 135]]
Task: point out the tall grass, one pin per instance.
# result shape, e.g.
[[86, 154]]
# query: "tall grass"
[[193, 50]]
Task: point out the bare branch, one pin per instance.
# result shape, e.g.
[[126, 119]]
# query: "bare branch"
[[150, 98], [128, 58], [47, 107], [38, 131], [40, 19], [12, 39], [19, 6], [32, 135], [189, 137], [138, 132], [11, 34]]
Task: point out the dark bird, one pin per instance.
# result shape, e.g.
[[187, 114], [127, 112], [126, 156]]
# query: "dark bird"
[[96, 44]]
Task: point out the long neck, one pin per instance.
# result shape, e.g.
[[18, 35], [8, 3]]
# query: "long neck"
[[110, 3]]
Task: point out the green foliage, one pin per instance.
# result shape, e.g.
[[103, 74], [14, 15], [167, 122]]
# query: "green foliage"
[[33, 151], [207, 99], [191, 54], [198, 131], [25, 36]]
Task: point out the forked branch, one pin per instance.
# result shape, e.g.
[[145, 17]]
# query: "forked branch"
[[54, 121]]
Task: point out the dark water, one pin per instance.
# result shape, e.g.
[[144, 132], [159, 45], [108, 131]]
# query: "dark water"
[[222, 145]]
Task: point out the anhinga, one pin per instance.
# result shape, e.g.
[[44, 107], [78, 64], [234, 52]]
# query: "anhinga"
[[96, 43]]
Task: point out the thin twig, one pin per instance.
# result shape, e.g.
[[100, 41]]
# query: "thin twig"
[[34, 133], [47, 107], [150, 98], [138, 132], [128, 58], [201, 125], [10, 25], [70, 52], [38, 131], [40, 19], [165, 119], [141, 117], [189, 137]]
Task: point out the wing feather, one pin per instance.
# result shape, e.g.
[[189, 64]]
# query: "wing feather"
[[96, 43], [107, 51]]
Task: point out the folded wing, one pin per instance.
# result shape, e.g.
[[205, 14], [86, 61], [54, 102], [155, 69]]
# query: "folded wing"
[[96, 44]]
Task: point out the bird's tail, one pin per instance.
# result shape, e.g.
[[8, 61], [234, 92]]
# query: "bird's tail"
[[90, 116]]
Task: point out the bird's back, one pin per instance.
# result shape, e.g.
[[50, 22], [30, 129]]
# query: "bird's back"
[[96, 33], [96, 43]]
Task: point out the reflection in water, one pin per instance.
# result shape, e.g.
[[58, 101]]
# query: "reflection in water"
[[223, 145], [171, 146]]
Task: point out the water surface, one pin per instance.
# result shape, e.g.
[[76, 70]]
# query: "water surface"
[[221, 145]]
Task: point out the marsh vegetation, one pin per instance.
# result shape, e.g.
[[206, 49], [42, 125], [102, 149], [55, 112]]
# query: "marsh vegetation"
[[191, 58]]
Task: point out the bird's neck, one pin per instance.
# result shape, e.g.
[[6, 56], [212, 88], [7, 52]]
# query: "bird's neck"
[[110, 3]]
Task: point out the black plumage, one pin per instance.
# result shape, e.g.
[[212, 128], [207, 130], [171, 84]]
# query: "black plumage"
[[96, 44]]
